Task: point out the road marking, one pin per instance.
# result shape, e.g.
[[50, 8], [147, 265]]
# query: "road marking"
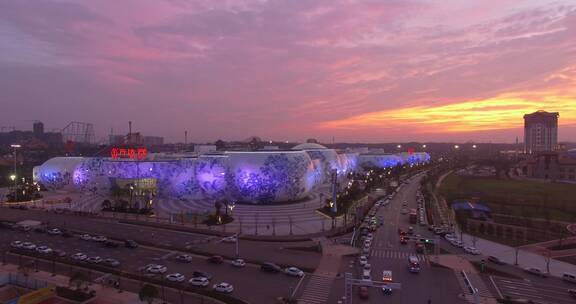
[[496, 287]]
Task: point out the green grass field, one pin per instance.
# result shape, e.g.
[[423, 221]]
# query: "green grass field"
[[519, 198]]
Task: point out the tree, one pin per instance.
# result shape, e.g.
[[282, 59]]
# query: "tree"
[[148, 293], [220, 144], [78, 279], [217, 206]]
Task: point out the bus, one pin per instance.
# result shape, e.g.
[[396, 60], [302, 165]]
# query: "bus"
[[413, 264], [413, 216]]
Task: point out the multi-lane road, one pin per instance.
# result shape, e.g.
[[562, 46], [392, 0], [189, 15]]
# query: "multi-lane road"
[[437, 284]]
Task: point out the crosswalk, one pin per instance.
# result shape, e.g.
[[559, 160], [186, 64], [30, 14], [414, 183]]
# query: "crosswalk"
[[393, 254], [317, 290]]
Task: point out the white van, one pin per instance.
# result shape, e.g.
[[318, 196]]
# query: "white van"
[[569, 277]]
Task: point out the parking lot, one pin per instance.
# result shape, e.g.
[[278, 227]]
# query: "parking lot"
[[250, 283]]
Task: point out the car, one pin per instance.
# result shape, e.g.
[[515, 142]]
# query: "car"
[[54, 231], [365, 250], [25, 228], [456, 243], [387, 275], [28, 246], [99, 239], [94, 260], [449, 237], [155, 268], [130, 244], [410, 230], [16, 244], [111, 244], [223, 287], [270, 267], [363, 260], [496, 260], [230, 239], [472, 250], [363, 292], [175, 277], [203, 274], [367, 267], [199, 281], [403, 241], [294, 272], [536, 271], [238, 263], [86, 237], [215, 259], [366, 277], [59, 253], [44, 249], [386, 290], [79, 256], [184, 258], [572, 292], [111, 262]]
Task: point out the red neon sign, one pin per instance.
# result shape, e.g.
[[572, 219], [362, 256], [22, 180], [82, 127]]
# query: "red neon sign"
[[136, 154], [410, 151]]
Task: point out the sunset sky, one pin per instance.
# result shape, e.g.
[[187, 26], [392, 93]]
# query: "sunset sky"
[[359, 71]]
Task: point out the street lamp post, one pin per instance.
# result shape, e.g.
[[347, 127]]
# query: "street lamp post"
[[14, 176]]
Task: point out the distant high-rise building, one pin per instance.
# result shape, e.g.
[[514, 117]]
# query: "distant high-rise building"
[[540, 132], [38, 128]]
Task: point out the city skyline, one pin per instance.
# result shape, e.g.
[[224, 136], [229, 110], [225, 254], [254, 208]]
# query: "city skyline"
[[361, 71]]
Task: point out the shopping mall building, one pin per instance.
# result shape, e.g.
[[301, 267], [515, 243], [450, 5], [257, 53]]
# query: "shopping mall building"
[[249, 176]]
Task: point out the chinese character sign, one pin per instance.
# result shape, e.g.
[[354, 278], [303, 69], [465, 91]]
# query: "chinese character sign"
[[131, 153]]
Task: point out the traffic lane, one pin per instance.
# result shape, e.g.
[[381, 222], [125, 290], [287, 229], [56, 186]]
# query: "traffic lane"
[[541, 293], [127, 257], [433, 283], [250, 283], [254, 250]]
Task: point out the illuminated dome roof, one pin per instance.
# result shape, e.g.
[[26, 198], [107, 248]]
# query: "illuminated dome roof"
[[309, 146]]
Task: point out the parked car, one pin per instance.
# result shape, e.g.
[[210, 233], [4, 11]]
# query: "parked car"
[[54, 231], [28, 246], [16, 244], [496, 260], [156, 268], [536, 271], [79, 256], [293, 271], [216, 259], [94, 260], [44, 249], [86, 237], [203, 274], [99, 238], [270, 267], [130, 244], [363, 260], [223, 287], [472, 250], [175, 277], [184, 258], [238, 263], [572, 292], [199, 281], [111, 262], [230, 239]]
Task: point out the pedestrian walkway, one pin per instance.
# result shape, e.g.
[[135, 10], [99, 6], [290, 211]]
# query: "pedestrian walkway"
[[318, 288], [393, 254]]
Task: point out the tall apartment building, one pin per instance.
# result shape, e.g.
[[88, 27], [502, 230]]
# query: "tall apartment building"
[[540, 132]]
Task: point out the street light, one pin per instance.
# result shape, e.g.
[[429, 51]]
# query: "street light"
[[473, 146], [424, 146], [456, 147], [399, 146], [13, 177]]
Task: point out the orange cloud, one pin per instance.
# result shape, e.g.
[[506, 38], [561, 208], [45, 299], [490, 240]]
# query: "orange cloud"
[[503, 112]]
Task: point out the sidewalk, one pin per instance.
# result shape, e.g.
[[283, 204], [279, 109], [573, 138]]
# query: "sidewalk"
[[525, 259]]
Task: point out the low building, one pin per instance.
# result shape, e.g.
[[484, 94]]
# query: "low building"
[[552, 166]]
